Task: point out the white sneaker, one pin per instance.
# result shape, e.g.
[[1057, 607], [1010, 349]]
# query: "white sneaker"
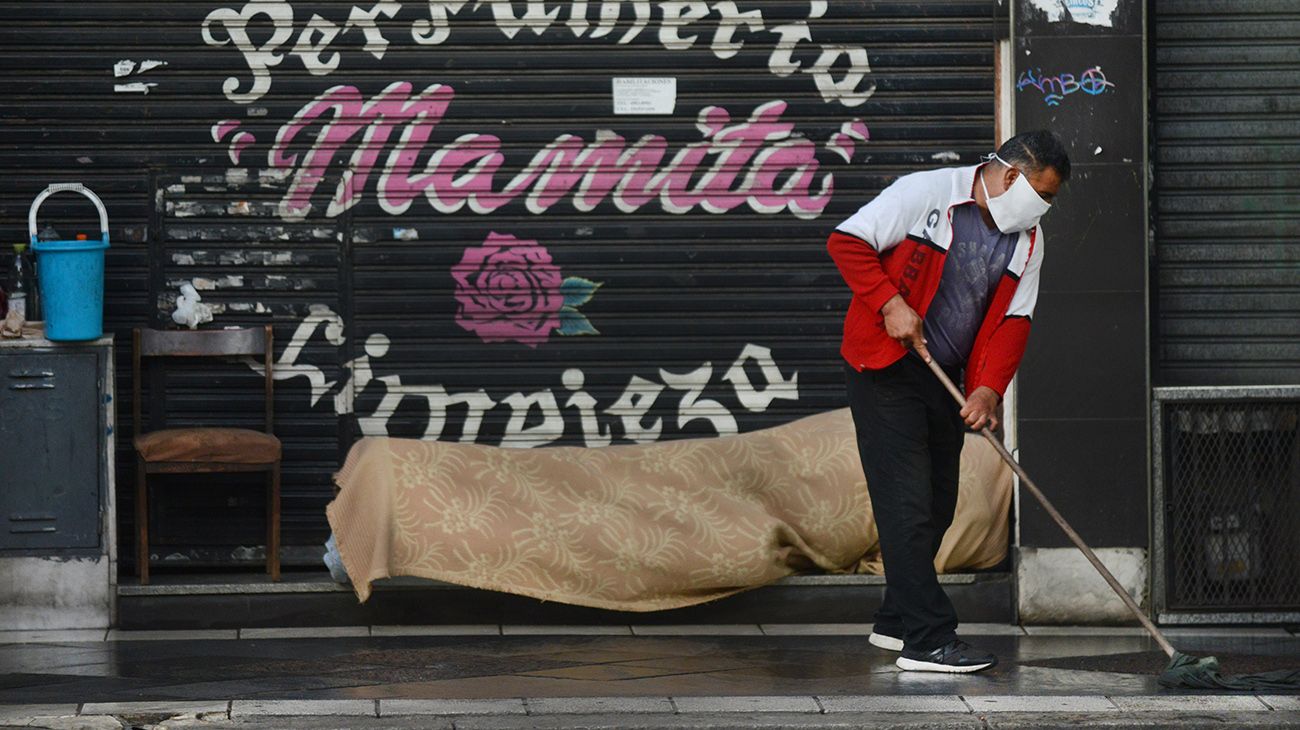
[[888, 643]]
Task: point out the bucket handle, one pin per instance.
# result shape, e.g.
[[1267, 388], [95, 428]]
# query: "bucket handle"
[[71, 188]]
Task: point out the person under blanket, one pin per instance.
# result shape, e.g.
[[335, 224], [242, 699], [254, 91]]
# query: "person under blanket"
[[943, 264], [637, 527]]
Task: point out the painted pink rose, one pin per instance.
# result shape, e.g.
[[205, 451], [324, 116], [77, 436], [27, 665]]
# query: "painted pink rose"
[[507, 290]]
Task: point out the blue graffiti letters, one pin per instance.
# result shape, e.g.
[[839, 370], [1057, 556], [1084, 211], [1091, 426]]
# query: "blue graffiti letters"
[[1055, 88]]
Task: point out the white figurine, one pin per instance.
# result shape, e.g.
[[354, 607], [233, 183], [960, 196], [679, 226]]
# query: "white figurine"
[[190, 311]]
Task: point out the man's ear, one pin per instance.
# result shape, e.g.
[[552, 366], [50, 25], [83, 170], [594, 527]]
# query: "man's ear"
[[1009, 176]]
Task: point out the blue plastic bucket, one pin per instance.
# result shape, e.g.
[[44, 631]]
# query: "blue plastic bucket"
[[71, 275]]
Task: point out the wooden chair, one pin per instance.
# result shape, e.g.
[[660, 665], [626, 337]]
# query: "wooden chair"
[[205, 449]]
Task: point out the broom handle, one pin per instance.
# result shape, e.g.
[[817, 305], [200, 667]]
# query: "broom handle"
[[1056, 516]]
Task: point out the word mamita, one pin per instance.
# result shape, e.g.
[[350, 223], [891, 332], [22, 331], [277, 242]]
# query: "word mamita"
[[542, 410], [839, 72], [757, 161]]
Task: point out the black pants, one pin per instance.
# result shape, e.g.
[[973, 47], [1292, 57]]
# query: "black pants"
[[910, 434]]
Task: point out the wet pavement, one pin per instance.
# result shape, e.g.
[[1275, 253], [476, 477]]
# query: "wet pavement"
[[191, 667], [527, 667]]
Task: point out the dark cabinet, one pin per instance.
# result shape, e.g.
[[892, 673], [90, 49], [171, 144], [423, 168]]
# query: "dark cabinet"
[[57, 529], [52, 455]]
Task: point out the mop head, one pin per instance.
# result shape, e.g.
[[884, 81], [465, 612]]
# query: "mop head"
[[1188, 672]]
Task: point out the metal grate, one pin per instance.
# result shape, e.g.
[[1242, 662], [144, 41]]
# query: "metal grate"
[[1230, 487]]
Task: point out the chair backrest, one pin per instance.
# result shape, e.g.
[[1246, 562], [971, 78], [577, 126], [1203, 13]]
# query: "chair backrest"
[[204, 343], [242, 342]]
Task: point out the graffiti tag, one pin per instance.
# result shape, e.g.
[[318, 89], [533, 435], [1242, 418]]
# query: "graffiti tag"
[[1055, 88]]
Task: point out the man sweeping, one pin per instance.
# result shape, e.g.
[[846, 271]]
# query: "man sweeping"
[[943, 265]]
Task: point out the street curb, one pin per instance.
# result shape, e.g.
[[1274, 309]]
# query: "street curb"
[[903, 711], [698, 721]]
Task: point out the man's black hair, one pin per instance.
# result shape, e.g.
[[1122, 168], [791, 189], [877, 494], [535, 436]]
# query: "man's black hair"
[[1035, 151]]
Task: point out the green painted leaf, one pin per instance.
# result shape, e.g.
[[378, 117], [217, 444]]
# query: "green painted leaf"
[[573, 322], [577, 291]]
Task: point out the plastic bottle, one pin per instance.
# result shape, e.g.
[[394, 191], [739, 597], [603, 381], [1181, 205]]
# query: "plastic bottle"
[[16, 284], [35, 308]]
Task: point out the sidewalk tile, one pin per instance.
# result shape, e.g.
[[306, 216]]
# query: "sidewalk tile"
[[80, 722], [22, 714], [893, 703], [560, 630], [699, 630], [746, 704], [305, 632], [990, 630], [1038, 703], [816, 629], [447, 630], [190, 635], [1282, 703], [280, 708], [1190, 703], [1244, 632], [1085, 631], [172, 707], [597, 705], [54, 636], [395, 708]]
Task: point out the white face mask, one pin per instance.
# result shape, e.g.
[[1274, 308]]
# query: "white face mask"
[[1017, 209]]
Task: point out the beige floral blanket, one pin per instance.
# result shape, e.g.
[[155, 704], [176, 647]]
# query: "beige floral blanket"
[[637, 528]]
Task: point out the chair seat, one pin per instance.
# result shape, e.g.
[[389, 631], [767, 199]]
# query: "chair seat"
[[215, 445]]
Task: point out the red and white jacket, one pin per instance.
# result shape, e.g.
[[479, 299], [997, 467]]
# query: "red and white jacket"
[[897, 244]]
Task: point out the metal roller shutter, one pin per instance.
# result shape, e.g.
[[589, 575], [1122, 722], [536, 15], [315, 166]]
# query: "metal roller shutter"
[[1226, 203], [364, 174]]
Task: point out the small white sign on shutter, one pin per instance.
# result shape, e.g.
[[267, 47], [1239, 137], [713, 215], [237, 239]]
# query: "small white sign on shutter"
[[638, 95]]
